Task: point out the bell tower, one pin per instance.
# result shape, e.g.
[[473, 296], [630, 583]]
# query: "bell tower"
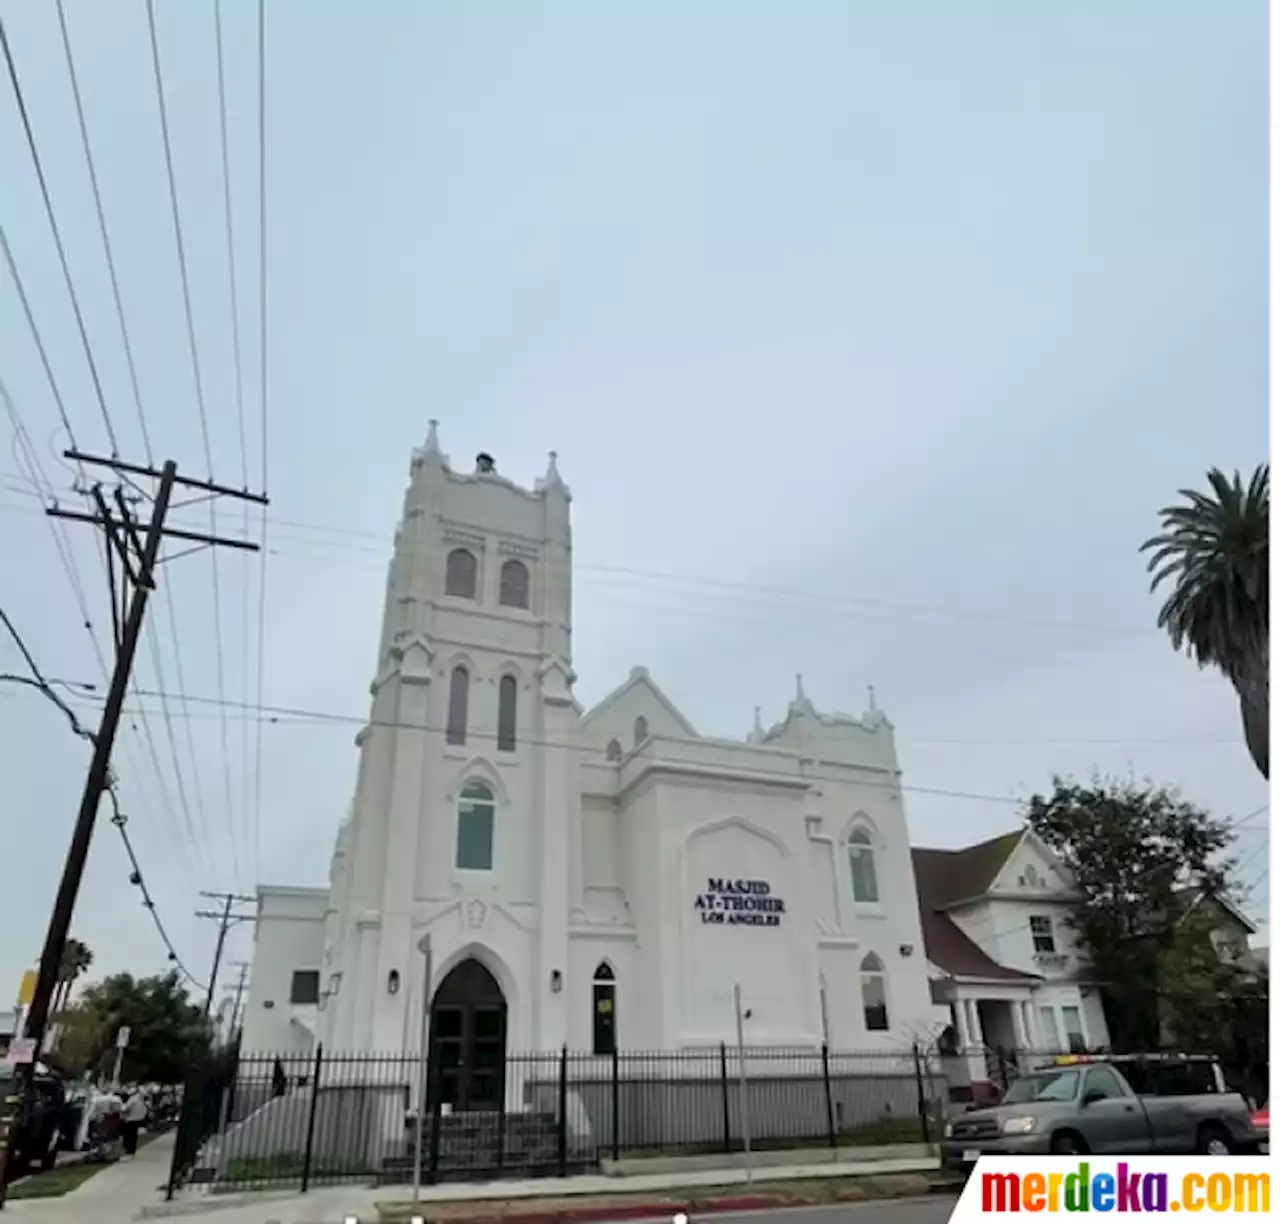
[[466, 770]]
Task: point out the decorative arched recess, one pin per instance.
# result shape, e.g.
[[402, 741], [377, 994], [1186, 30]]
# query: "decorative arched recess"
[[860, 819], [478, 770], [737, 822], [489, 959], [460, 658], [509, 667]]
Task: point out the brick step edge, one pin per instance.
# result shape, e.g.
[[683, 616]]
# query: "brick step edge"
[[693, 1206]]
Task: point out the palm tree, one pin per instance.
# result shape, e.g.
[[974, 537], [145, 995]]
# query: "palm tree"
[[1215, 549], [76, 960]]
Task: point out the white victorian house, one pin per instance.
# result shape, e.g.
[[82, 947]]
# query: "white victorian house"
[[1001, 951], [597, 878]]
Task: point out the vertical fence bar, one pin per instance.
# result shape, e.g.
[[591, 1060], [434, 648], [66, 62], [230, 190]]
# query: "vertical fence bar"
[[724, 1096], [832, 1135], [311, 1118], [922, 1106], [435, 1080], [562, 1123], [616, 1094]]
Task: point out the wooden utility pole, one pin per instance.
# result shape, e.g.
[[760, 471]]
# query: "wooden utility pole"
[[225, 920], [135, 557]]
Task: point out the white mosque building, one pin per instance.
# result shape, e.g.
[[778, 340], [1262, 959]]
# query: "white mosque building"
[[599, 878]]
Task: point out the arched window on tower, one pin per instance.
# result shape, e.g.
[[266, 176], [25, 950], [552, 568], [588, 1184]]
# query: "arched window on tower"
[[862, 867], [875, 1000], [513, 585], [475, 828], [460, 573], [459, 695], [507, 689], [641, 730], [613, 752], [604, 1010]]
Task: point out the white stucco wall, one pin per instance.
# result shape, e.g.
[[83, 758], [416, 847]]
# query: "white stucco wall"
[[288, 936]]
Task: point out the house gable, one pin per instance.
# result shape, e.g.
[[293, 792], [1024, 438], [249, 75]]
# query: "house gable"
[[616, 716], [1032, 872]]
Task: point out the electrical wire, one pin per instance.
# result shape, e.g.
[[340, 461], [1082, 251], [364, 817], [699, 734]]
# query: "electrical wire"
[[57, 238], [201, 410]]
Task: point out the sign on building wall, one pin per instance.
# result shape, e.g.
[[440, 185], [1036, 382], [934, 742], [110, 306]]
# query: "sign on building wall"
[[739, 903]]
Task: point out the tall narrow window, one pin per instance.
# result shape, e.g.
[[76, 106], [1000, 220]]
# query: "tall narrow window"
[[513, 585], [460, 574], [475, 828], [604, 1011], [507, 714], [459, 694], [641, 730], [875, 1000], [613, 752], [862, 866], [1042, 933]]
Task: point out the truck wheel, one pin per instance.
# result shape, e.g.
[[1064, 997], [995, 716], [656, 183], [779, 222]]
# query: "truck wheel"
[[1212, 1140], [1068, 1143]]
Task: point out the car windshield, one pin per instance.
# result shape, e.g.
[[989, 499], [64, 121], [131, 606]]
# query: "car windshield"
[[1046, 1086]]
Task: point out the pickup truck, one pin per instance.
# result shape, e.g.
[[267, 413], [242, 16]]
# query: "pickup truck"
[[1125, 1105]]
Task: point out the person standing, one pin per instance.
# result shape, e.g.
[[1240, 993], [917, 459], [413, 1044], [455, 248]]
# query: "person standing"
[[135, 1112]]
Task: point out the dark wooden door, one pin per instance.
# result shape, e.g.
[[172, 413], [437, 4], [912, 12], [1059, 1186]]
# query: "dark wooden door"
[[469, 1039]]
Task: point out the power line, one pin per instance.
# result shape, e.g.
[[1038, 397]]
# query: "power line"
[[57, 236], [200, 402]]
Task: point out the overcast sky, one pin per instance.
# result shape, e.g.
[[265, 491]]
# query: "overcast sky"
[[871, 338]]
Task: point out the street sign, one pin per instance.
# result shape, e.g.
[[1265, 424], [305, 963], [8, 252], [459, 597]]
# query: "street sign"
[[122, 1037], [22, 1050], [27, 991]]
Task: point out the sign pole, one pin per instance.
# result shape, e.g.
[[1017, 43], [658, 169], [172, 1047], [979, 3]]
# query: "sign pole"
[[122, 1040], [744, 1108], [424, 1062]]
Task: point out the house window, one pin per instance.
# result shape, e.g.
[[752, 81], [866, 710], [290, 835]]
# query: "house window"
[[1049, 1029], [1042, 934], [604, 1011], [614, 751], [507, 714], [460, 573], [475, 828], [862, 865], [875, 1002], [641, 730], [305, 987], [513, 584], [1074, 1028]]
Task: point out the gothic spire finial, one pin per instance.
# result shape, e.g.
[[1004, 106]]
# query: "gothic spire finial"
[[800, 687], [432, 444], [871, 697], [759, 726]]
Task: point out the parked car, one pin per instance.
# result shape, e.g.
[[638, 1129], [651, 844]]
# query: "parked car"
[[37, 1139], [1261, 1119], [1110, 1105]]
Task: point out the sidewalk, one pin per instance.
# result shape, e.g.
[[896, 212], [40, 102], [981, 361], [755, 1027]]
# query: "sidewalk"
[[545, 1199], [115, 1195]]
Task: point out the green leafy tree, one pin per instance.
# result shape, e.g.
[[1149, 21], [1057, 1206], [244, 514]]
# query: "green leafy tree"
[[168, 1032], [1136, 853], [1215, 548], [76, 961]]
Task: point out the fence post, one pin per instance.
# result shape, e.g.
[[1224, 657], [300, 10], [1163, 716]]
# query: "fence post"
[[563, 1136], [922, 1105], [181, 1138], [724, 1097], [311, 1118], [826, 1087], [616, 1143]]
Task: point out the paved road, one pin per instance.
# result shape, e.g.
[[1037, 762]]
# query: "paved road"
[[935, 1209]]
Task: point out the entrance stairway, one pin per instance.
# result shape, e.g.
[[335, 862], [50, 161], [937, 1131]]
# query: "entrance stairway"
[[482, 1145]]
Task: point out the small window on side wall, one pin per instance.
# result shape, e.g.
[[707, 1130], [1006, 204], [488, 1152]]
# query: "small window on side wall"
[[875, 998], [604, 1011], [304, 988], [460, 574], [641, 730], [513, 585], [507, 693], [459, 699], [613, 752]]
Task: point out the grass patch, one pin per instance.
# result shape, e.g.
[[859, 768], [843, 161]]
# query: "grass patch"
[[288, 1166], [55, 1183]]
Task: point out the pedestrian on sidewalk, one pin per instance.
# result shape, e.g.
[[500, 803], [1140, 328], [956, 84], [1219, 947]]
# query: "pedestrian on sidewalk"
[[135, 1113]]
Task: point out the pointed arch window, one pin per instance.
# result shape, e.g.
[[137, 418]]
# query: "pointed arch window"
[[460, 574], [613, 752], [513, 585], [459, 698], [476, 809], [507, 691], [604, 1010], [862, 867], [875, 998], [641, 730]]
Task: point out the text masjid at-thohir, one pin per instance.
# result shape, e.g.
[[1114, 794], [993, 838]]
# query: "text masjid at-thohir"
[[740, 903]]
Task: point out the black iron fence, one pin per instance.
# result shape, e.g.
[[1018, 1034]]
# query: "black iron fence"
[[321, 1118]]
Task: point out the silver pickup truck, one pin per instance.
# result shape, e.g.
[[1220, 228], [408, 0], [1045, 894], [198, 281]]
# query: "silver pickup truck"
[[1109, 1104]]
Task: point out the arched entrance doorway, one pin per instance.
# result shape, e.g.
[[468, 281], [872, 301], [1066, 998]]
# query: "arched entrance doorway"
[[469, 1038]]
